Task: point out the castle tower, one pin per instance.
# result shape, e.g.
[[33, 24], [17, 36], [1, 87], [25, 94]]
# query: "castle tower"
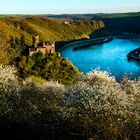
[[35, 41], [53, 46], [58, 55]]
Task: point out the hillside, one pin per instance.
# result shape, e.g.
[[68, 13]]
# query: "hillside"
[[125, 24], [12, 28], [92, 16], [114, 22], [120, 22], [46, 28], [46, 98], [72, 16], [115, 15], [16, 35]]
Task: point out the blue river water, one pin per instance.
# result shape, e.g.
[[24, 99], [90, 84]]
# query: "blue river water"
[[111, 56]]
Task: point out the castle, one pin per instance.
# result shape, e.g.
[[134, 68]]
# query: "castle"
[[41, 47]]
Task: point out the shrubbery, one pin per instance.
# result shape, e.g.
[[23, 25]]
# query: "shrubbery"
[[49, 67], [96, 107]]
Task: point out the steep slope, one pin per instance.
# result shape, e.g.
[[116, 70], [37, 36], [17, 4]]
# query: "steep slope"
[[123, 24], [47, 28], [16, 34]]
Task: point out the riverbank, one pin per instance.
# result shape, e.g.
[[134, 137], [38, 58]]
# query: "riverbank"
[[86, 42], [91, 42], [60, 46], [110, 56]]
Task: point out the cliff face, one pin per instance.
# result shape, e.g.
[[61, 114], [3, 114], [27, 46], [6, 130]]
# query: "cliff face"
[[123, 24]]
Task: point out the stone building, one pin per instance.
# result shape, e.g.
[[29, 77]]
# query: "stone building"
[[41, 47]]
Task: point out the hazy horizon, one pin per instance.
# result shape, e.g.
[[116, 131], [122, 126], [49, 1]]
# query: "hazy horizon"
[[69, 13], [67, 7]]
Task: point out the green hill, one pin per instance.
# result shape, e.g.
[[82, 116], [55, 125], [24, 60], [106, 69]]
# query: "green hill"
[[46, 28], [16, 35], [14, 27], [128, 24]]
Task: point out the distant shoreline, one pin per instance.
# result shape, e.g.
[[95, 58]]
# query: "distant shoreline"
[[91, 42], [83, 43], [71, 44], [87, 42]]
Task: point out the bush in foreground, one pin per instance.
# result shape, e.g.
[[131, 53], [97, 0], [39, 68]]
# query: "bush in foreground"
[[96, 107]]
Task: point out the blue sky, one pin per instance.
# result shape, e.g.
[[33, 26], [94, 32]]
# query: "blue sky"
[[67, 6]]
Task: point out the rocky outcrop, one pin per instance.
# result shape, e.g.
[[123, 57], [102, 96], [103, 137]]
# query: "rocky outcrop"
[[134, 55]]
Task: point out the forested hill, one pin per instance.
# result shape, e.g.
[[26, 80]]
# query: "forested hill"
[[16, 35], [51, 29], [92, 16], [129, 24]]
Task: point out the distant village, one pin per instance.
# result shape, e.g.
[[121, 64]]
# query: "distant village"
[[41, 47]]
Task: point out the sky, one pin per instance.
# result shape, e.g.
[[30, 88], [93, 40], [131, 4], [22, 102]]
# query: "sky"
[[68, 6]]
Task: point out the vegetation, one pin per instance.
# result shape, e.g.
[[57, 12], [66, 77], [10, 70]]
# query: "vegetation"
[[93, 16], [45, 97], [72, 16], [96, 107], [49, 67], [119, 15], [129, 24], [16, 36], [49, 29]]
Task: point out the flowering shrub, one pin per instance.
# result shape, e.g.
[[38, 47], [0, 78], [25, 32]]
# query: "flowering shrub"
[[8, 79], [104, 104], [9, 89], [96, 107]]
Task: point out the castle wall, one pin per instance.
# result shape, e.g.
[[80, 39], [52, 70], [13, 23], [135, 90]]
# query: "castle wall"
[[41, 50], [35, 41], [49, 48], [37, 47]]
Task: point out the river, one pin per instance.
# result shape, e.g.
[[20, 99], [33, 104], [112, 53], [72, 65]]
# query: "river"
[[111, 56]]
